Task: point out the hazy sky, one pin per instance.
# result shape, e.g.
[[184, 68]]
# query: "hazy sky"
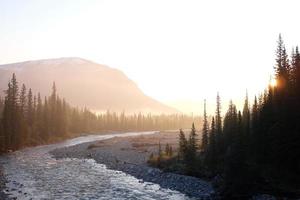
[[178, 52]]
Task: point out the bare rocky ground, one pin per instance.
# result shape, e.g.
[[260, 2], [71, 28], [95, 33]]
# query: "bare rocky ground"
[[130, 155], [2, 186]]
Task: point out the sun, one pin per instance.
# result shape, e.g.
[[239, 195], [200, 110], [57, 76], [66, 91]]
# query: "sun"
[[273, 82]]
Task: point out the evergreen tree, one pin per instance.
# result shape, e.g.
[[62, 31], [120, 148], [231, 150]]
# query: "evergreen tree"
[[52, 106], [254, 127], [246, 117], [192, 143], [235, 169], [46, 121], [23, 100], [23, 109], [30, 109], [255, 115], [12, 116], [245, 134], [190, 156], [295, 79], [159, 149], [218, 132], [39, 118], [16, 139], [182, 145], [167, 149], [211, 160], [7, 118], [282, 71], [204, 130], [218, 116], [296, 72], [230, 126]]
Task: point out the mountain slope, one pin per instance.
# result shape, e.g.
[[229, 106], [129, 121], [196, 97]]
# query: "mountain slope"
[[83, 83]]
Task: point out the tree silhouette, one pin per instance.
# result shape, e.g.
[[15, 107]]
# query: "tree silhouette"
[[204, 130]]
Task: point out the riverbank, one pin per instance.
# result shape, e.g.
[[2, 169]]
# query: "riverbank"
[[2, 185], [130, 155]]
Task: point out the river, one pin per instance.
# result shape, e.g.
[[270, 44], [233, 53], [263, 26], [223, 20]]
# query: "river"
[[33, 173]]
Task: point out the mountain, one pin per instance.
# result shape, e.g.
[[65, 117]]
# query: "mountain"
[[83, 83]]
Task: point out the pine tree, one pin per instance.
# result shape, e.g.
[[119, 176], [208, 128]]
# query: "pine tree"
[[282, 71], [39, 118], [192, 142], [182, 145], [17, 141], [52, 106], [7, 118], [255, 110], [30, 109], [230, 126], [211, 155], [204, 130], [246, 137], [23, 109], [23, 100], [46, 122], [167, 149], [15, 116], [218, 122], [295, 73], [218, 116], [246, 117], [190, 156], [235, 169]]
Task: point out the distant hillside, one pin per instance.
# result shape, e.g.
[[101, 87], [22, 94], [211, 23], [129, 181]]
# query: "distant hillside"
[[83, 83]]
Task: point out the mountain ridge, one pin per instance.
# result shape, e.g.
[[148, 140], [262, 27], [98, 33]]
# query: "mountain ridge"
[[83, 83]]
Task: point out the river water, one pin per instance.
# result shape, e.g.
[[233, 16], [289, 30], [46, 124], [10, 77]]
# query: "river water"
[[33, 173]]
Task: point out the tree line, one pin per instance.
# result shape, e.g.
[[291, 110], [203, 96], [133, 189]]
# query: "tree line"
[[27, 119], [257, 148]]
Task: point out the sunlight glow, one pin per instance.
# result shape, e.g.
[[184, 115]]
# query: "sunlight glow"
[[273, 83]]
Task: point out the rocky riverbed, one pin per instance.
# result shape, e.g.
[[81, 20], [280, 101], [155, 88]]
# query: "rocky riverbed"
[[130, 155], [2, 185]]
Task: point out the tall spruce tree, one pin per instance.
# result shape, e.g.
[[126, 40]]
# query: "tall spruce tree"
[[218, 122], [246, 117], [211, 155], [23, 100], [39, 118], [204, 130], [182, 145], [46, 121], [7, 118], [295, 75], [52, 106], [218, 116], [190, 157], [30, 109], [254, 115], [13, 98], [229, 126]]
